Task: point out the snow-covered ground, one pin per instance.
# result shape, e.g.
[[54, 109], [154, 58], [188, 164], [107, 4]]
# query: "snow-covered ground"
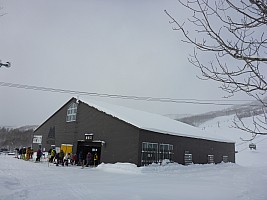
[[245, 180]]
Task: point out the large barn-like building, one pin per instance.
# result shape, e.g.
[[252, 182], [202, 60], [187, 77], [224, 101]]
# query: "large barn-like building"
[[119, 134]]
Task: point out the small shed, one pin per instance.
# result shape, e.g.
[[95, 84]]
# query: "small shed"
[[66, 148]]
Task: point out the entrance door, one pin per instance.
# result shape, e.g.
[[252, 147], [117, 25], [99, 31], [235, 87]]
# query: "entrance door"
[[95, 154], [93, 147]]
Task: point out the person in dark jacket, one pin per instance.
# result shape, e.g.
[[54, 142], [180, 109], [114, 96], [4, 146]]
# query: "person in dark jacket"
[[88, 159], [24, 153], [81, 159], [57, 159], [39, 154], [20, 153]]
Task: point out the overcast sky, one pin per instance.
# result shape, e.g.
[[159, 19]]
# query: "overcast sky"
[[115, 47]]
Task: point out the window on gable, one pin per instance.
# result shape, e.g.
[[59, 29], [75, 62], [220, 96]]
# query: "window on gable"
[[71, 113]]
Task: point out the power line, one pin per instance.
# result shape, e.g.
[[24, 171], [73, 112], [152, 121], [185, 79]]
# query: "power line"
[[139, 98]]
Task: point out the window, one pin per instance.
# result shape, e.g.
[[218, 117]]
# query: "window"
[[154, 152], [211, 159], [188, 158], [71, 113], [225, 159], [149, 153], [165, 152]]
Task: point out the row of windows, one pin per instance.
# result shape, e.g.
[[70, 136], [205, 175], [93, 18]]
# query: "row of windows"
[[188, 159], [147, 146], [165, 147], [154, 152]]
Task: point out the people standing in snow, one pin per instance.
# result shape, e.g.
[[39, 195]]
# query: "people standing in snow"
[[17, 153], [60, 158], [88, 159], [39, 154], [28, 153], [73, 159], [66, 159], [24, 153], [57, 159], [81, 159], [95, 159], [20, 153], [53, 154], [31, 153]]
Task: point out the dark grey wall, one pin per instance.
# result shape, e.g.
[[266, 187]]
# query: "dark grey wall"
[[121, 139], [199, 148], [64, 132]]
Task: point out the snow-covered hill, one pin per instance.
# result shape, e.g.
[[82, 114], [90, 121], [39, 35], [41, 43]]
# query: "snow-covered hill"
[[21, 128], [242, 111], [28, 127]]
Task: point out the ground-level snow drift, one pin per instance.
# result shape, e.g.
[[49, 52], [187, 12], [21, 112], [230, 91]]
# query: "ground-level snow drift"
[[27, 180]]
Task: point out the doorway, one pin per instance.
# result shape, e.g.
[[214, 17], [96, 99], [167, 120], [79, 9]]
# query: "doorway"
[[90, 146]]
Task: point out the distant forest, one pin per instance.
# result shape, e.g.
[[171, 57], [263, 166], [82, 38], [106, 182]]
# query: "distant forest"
[[15, 138]]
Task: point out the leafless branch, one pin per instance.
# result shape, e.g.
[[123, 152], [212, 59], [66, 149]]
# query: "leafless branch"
[[233, 34]]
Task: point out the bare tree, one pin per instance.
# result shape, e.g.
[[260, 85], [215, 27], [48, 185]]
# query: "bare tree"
[[233, 34]]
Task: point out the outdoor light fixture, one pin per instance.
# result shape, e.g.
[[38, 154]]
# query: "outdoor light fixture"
[[8, 64]]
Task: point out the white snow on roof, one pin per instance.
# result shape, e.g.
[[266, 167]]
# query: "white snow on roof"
[[155, 122]]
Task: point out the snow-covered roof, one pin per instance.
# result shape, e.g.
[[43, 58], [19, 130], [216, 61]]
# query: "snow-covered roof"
[[155, 122]]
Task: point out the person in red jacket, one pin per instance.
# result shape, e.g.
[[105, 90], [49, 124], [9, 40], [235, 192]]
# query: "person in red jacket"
[[39, 154]]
